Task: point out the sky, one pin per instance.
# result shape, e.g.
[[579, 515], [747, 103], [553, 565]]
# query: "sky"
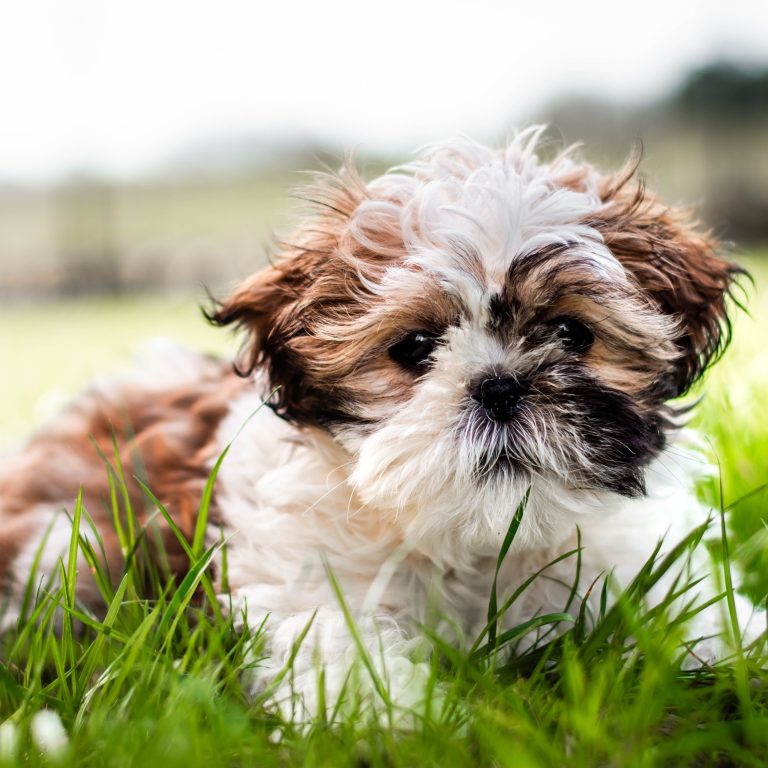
[[120, 87]]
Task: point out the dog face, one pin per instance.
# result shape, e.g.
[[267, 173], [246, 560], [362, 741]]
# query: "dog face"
[[480, 322]]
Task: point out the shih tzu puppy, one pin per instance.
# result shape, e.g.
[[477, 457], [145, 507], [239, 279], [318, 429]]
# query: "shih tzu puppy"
[[430, 347]]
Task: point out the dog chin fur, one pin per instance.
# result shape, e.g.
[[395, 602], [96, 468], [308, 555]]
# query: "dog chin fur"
[[382, 452]]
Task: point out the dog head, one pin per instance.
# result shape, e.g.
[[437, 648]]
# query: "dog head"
[[479, 322]]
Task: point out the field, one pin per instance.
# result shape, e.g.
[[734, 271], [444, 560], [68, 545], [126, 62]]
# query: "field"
[[161, 683]]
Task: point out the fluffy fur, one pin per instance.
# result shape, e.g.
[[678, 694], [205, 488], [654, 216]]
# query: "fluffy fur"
[[431, 346]]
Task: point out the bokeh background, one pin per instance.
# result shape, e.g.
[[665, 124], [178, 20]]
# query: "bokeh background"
[[148, 150]]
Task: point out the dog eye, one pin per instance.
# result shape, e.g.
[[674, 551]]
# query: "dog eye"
[[414, 350], [573, 335]]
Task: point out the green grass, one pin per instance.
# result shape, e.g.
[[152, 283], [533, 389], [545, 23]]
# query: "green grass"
[[161, 682], [733, 417]]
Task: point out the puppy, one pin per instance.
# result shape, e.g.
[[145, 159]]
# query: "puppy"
[[432, 347]]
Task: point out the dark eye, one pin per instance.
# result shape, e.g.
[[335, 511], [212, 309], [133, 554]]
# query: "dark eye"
[[573, 335], [414, 350]]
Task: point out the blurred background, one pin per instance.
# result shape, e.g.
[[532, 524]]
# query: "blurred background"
[[148, 149]]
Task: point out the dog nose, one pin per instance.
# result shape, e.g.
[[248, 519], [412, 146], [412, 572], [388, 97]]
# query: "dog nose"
[[499, 397]]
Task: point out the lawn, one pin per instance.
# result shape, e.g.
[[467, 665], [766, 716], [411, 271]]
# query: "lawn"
[[161, 683]]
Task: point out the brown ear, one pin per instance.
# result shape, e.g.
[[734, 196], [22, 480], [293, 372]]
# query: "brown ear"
[[263, 307], [678, 268], [282, 309], [254, 306]]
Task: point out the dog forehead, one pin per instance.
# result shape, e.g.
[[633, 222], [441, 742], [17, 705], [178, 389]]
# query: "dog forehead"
[[466, 213]]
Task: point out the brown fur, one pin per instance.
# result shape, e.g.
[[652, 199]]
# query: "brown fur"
[[164, 437], [316, 326], [632, 349], [677, 267]]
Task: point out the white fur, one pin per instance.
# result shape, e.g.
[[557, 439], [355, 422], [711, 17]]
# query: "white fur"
[[461, 196]]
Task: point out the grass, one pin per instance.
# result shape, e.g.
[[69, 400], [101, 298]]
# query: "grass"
[[733, 416], [161, 681]]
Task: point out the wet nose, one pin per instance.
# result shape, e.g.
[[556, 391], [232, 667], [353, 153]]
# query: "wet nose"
[[499, 397]]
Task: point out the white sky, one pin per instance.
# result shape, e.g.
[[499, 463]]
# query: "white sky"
[[120, 86]]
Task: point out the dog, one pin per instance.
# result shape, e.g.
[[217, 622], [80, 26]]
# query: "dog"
[[471, 333]]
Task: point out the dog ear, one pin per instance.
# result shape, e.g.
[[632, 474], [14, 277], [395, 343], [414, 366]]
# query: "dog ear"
[[678, 268], [255, 306], [264, 307], [283, 308]]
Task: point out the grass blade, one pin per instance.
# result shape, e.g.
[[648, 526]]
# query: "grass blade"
[[363, 652], [493, 611]]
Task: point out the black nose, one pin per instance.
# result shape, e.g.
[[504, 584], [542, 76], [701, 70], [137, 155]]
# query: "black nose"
[[499, 397]]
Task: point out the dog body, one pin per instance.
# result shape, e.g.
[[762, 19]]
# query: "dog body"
[[470, 331]]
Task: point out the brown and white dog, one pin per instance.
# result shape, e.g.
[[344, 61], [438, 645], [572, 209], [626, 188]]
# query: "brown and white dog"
[[431, 345]]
